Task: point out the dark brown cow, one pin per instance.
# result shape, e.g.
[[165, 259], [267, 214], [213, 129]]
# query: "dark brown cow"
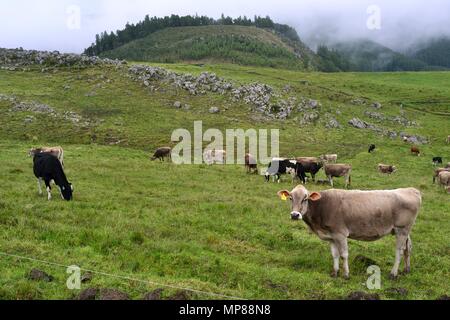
[[338, 215], [162, 153], [312, 165], [250, 163], [415, 150], [337, 171], [386, 169]]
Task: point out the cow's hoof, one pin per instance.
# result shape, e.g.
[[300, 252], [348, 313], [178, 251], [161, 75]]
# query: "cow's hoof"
[[334, 274], [347, 277], [393, 277]]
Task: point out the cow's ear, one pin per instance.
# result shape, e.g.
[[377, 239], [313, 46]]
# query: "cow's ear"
[[315, 196], [284, 195]]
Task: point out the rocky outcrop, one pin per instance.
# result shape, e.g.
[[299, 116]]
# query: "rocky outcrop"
[[18, 59]]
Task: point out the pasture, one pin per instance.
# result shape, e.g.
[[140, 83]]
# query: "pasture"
[[214, 229]]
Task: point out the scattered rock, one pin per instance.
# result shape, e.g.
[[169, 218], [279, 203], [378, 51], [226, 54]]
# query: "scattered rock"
[[87, 277], [38, 275], [154, 295], [13, 59], [187, 107], [214, 110], [359, 295], [177, 104], [360, 124], [376, 105], [333, 124]]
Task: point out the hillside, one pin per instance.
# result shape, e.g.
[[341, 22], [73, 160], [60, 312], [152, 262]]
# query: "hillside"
[[233, 44], [435, 53], [142, 225], [369, 56]]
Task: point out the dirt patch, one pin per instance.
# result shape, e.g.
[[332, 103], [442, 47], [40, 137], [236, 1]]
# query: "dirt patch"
[[443, 298], [88, 294], [180, 295], [154, 295], [396, 292], [39, 275], [361, 263], [112, 294], [359, 295]]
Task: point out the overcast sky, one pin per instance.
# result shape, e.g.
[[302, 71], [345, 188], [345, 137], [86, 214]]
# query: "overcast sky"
[[53, 24]]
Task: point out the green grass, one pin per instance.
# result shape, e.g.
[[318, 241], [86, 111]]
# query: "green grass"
[[209, 228]]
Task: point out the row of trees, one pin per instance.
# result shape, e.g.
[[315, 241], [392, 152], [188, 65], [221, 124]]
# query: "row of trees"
[[109, 41]]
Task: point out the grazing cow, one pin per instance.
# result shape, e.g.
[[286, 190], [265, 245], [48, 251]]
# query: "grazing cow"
[[337, 171], [415, 150], [57, 152], [437, 160], [386, 169], [372, 148], [338, 215], [444, 179], [47, 167], [311, 165], [437, 172], [162, 153], [285, 166], [251, 164], [329, 158]]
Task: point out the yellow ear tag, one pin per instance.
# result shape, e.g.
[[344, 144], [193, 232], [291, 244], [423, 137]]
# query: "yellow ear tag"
[[283, 197]]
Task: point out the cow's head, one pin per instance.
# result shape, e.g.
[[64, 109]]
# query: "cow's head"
[[67, 191], [300, 199]]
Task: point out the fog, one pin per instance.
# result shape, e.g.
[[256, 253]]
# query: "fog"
[[56, 25]]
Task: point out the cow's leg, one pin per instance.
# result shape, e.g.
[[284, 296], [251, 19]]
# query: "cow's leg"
[[40, 186], [49, 189], [407, 254], [330, 178], [343, 251], [336, 257], [402, 237]]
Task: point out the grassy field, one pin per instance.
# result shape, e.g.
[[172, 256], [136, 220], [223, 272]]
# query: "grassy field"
[[213, 229]]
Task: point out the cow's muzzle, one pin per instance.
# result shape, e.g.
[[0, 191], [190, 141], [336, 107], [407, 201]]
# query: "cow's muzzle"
[[295, 215]]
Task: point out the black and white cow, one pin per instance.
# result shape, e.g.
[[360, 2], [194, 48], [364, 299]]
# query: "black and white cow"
[[437, 160], [280, 167], [47, 167]]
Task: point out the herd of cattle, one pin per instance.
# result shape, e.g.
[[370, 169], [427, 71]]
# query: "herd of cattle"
[[333, 215]]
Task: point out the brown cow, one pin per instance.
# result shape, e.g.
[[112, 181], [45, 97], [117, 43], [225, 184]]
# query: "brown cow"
[[386, 169], [250, 163], [329, 158], [338, 215], [337, 171], [162, 153], [415, 150], [444, 179], [437, 172], [57, 152]]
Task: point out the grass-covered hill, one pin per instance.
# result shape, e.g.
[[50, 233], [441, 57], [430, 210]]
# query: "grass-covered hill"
[[214, 229], [244, 45]]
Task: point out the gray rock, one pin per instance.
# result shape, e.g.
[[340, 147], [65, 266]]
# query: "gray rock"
[[177, 104], [376, 105], [214, 110], [333, 124]]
